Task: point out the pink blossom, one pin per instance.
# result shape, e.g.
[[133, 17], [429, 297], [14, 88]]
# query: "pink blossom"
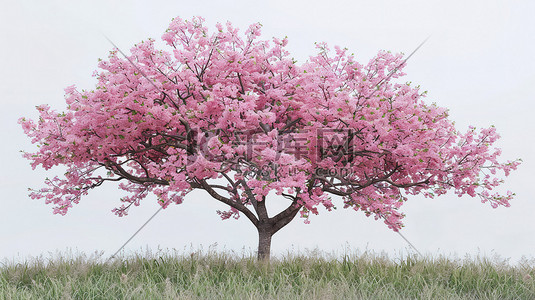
[[240, 109]]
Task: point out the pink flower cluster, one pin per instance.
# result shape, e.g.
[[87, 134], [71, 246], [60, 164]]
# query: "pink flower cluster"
[[143, 123]]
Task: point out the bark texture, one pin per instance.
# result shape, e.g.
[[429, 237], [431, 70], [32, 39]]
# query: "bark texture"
[[264, 242], [267, 226]]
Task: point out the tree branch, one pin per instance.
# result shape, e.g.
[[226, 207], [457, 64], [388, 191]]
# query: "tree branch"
[[122, 172], [239, 206], [285, 216]]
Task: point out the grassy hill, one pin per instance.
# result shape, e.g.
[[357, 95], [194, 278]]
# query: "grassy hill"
[[226, 276]]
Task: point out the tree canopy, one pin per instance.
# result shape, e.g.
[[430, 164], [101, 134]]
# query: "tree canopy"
[[229, 107]]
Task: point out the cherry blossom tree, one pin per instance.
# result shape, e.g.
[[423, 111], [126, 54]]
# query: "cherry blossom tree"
[[236, 116]]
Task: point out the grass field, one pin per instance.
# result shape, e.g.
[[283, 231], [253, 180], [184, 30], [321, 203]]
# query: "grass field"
[[228, 276]]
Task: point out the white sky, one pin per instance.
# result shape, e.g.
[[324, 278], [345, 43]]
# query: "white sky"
[[478, 62]]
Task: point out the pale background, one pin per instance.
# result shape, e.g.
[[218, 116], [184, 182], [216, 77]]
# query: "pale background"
[[478, 62]]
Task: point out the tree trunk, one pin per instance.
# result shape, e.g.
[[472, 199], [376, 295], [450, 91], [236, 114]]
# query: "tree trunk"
[[267, 226], [264, 242]]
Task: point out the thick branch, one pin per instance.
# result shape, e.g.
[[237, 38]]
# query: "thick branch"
[[261, 210], [285, 216], [239, 206]]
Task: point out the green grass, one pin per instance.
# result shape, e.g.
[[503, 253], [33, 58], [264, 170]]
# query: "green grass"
[[228, 276]]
